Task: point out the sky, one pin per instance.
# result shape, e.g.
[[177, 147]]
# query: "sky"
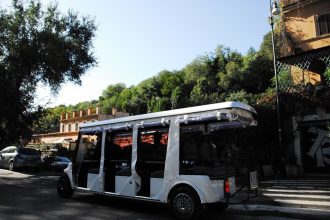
[[136, 39]]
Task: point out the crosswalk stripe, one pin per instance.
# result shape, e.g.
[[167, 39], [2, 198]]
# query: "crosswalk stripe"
[[296, 181], [302, 202], [296, 196], [289, 180], [296, 191], [309, 183]]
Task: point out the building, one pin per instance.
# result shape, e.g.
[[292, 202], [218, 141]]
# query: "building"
[[69, 125], [305, 37], [307, 22], [305, 61]]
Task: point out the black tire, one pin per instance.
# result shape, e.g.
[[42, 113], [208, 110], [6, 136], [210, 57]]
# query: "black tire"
[[185, 204], [64, 189], [11, 166]]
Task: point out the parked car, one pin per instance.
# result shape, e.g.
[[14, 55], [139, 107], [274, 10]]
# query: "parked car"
[[13, 157], [56, 163]]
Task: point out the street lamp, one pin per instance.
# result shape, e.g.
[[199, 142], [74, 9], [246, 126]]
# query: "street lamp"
[[274, 11]]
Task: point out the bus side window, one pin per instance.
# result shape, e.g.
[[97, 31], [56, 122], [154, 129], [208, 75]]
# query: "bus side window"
[[189, 152], [120, 149], [152, 145], [90, 146], [195, 149]]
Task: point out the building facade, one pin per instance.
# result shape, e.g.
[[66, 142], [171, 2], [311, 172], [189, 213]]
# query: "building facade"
[[69, 125], [305, 63], [307, 22]]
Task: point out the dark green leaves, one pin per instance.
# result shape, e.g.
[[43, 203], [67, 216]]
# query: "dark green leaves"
[[38, 44]]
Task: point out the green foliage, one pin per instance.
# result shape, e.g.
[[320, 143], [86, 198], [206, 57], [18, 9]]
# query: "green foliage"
[[110, 97], [38, 44], [49, 122], [222, 75], [242, 96], [195, 70], [284, 80], [266, 48]]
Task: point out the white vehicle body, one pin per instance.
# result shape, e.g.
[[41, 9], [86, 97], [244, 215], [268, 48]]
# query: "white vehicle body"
[[166, 173]]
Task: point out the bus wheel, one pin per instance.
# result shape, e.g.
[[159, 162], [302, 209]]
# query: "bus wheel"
[[185, 204], [64, 188]]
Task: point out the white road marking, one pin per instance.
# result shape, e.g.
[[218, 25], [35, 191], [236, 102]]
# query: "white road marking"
[[296, 196], [296, 181], [296, 191]]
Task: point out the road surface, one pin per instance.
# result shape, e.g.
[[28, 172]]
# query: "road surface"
[[27, 196]]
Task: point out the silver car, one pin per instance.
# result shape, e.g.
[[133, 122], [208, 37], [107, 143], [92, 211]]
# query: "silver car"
[[13, 157]]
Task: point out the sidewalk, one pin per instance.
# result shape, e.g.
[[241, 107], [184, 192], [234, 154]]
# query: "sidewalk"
[[306, 196]]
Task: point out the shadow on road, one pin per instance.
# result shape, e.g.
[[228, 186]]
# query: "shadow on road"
[[27, 195]]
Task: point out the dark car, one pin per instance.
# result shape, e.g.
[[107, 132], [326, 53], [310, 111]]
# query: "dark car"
[[13, 157], [55, 163]]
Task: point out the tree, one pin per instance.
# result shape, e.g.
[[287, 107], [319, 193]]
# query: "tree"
[[38, 45], [257, 73], [110, 97], [50, 121]]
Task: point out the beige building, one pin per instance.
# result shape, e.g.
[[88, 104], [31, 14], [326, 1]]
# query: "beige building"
[[307, 23], [304, 62], [69, 125], [305, 30]]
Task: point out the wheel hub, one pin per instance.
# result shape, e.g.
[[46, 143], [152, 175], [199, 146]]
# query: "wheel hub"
[[183, 204]]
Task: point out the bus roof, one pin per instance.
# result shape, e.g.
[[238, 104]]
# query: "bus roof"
[[182, 111]]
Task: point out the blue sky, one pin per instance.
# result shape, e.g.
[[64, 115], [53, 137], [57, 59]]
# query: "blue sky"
[[136, 39]]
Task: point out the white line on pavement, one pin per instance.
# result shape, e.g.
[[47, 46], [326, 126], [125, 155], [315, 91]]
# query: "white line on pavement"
[[296, 181], [296, 196], [296, 191], [302, 184]]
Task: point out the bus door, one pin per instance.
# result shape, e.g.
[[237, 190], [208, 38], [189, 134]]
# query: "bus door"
[[87, 160], [117, 163], [151, 155]]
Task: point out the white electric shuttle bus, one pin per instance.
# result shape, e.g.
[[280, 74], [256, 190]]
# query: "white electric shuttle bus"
[[176, 157]]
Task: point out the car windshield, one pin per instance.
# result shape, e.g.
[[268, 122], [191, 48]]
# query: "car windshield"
[[28, 151], [62, 159]]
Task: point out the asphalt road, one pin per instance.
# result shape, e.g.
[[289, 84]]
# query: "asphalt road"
[[27, 196]]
